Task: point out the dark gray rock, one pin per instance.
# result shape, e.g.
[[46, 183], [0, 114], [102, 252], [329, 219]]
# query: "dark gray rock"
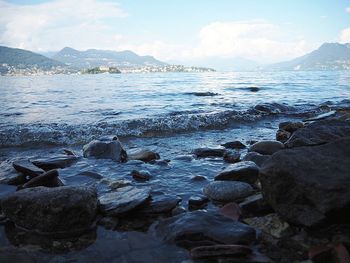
[[255, 205], [51, 163], [266, 147], [282, 136], [27, 168], [66, 209], [220, 250], [123, 200], [245, 171], [142, 175], [290, 126], [309, 185], [105, 150], [209, 152], [199, 228], [159, 204], [234, 145], [323, 116], [257, 158], [143, 155], [272, 108], [232, 157], [198, 177], [319, 132], [48, 179], [90, 174], [197, 202], [227, 191]]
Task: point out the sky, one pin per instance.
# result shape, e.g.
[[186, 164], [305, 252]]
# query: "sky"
[[265, 31]]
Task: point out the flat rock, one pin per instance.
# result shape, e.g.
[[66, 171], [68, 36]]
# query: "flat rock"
[[123, 200], [257, 158], [199, 227], [209, 152], [90, 174], [105, 150], [234, 145], [48, 179], [143, 155], [220, 250], [27, 168], [67, 209], [245, 171], [266, 147], [255, 205], [159, 204], [55, 162], [227, 191], [309, 186], [319, 132]]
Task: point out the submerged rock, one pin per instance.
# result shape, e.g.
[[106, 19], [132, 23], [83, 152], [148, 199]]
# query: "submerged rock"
[[257, 158], [67, 209], [245, 171], [209, 152], [232, 157], [105, 150], [200, 228], [52, 163], [227, 191], [143, 155], [309, 186], [48, 179], [266, 147], [234, 145], [123, 200], [142, 175], [27, 168]]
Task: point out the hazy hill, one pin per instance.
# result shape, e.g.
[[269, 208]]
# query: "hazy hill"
[[95, 58], [329, 56]]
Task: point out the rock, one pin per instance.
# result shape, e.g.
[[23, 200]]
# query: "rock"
[[319, 132], [290, 126], [322, 116], [245, 171], [123, 200], [197, 202], [257, 158], [266, 147], [234, 145], [119, 184], [55, 162], [232, 157], [203, 94], [220, 250], [143, 155], [90, 174], [199, 178], [282, 136], [187, 158], [48, 179], [67, 209], [272, 108], [159, 204], [209, 152], [69, 152], [178, 210], [309, 186], [231, 210], [27, 168], [200, 228], [105, 150], [253, 89], [141, 175], [227, 191], [160, 162], [255, 205]]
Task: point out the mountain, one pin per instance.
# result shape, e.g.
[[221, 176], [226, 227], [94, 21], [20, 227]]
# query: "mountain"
[[329, 56], [95, 58], [22, 59]]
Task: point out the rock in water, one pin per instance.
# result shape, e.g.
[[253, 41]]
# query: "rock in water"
[[123, 200], [266, 147], [209, 152], [105, 150], [198, 228], [143, 155], [309, 186], [245, 171], [319, 132], [27, 168], [48, 179], [55, 162], [290, 126], [227, 191], [257, 158], [67, 209], [231, 157], [234, 145]]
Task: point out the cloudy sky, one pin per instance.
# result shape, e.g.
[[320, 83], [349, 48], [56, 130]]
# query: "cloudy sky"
[[183, 30]]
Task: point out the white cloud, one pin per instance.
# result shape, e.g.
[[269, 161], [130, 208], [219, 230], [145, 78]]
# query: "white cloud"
[[347, 10], [53, 25], [345, 36]]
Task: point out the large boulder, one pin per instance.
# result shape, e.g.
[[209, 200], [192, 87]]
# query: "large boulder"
[[245, 171], [199, 228], [309, 186], [227, 191], [266, 147], [105, 150], [319, 132], [67, 209]]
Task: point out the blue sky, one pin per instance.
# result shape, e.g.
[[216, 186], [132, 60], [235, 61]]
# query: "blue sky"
[[262, 30]]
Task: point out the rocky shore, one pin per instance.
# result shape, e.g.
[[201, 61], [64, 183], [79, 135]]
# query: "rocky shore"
[[283, 200]]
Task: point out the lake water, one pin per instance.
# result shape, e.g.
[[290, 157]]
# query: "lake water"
[[166, 112]]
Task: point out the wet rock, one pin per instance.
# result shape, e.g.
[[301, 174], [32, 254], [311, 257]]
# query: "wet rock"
[[143, 155], [178, 210], [255, 205], [48, 179], [245, 171], [257, 158], [67, 209], [197, 202], [319, 132], [160, 162], [142, 175], [309, 186], [159, 204], [322, 116], [27, 168], [52, 163], [69, 152], [227, 191], [199, 178], [118, 184], [188, 158], [234, 145], [290, 126], [123, 200], [282, 136], [220, 250], [231, 210], [105, 150], [232, 157], [272, 108], [90, 174], [209, 152], [199, 227], [266, 147], [254, 89]]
